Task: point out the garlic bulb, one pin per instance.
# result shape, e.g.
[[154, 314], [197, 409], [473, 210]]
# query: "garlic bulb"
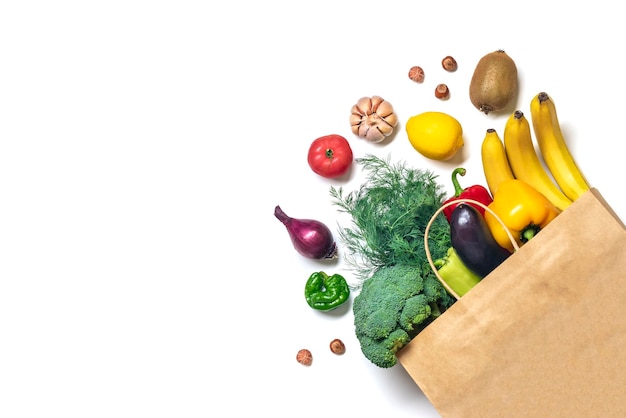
[[373, 118]]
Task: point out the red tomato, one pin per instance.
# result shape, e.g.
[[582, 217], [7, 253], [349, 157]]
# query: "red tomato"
[[330, 156]]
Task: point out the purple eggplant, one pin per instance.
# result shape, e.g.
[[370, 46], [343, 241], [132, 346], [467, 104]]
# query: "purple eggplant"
[[472, 240]]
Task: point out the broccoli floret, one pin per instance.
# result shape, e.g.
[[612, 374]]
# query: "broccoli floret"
[[435, 292], [393, 306], [416, 311], [382, 352], [380, 324]]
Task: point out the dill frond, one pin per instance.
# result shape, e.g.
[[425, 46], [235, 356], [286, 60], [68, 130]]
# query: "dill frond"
[[389, 213]]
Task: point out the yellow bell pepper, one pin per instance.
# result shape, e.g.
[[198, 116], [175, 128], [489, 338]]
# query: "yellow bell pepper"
[[524, 211]]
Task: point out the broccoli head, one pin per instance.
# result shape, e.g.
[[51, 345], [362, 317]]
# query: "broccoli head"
[[393, 306]]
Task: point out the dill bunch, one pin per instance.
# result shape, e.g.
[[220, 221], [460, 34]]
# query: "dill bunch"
[[390, 212]]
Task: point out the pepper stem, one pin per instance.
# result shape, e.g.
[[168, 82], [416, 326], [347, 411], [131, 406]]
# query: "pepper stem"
[[455, 181], [529, 232]]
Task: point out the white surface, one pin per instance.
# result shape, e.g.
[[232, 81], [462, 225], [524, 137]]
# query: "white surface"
[[144, 145]]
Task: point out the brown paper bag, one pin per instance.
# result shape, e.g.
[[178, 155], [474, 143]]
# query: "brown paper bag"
[[543, 335]]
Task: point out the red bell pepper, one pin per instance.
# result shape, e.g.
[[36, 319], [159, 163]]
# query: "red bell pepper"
[[476, 192]]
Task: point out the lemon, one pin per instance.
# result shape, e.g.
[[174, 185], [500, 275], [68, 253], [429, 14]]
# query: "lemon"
[[435, 135]]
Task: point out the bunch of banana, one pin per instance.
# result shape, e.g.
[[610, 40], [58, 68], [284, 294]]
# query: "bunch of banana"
[[516, 157]]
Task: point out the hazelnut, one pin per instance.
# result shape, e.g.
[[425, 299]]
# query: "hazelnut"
[[449, 64], [337, 346], [304, 357], [442, 91], [416, 74]]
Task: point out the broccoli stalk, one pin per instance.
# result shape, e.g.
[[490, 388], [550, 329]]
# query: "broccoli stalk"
[[393, 306]]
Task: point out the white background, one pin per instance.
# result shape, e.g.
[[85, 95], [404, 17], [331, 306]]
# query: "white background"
[[145, 144]]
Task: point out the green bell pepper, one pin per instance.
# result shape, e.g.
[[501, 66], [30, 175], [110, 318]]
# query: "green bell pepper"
[[455, 273], [324, 292]]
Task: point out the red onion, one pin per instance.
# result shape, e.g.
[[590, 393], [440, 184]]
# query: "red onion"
[[310, 238]]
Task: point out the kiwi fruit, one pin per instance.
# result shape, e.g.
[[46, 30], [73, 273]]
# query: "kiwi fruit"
[[494, 82]]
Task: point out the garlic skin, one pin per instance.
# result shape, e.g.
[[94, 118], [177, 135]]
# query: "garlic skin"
[[373, 118]]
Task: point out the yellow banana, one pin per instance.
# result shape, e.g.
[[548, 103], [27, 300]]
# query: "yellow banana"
[[525, 163], [553, 148], [495, 164]]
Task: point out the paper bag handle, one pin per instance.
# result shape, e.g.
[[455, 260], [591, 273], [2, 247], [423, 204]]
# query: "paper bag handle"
[[432, 219]]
